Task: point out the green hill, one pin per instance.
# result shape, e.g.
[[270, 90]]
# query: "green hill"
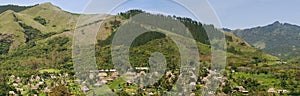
[[39, 40], [278, 39], [15, 8]]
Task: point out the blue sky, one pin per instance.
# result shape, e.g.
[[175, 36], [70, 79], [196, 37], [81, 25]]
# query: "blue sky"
[[232, 14]]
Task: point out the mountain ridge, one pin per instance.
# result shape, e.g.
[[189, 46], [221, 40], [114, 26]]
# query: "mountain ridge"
[[279, 39], [50, 50]]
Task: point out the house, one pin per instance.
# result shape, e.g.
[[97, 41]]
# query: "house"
[[12, 76], [18, 80], [205, 79], [110, 79], [142, 68], [239, 88], [272, 90], [103, 81], [143, 73], [91, 76], [245, 91], [192, 94], [282, 91], [41, 83], [85, 89], [114, 75], [37, 78], [112, 70], [15, 84], [35, 87], [102, 74], [193, 83], [11, 93], [151, 93], [130, 73], [47, 90], [232, 71], [98, 84], [52, 76], [20, 89], [130, 81], [169, 73]]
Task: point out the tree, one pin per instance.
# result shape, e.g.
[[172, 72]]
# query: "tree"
[[59, 91], [40, 20], [4, 47]]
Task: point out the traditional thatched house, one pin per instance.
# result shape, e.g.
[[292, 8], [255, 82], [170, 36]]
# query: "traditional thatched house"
[[12, 93], [109, 79], [114, 75], [192, 94], [282, 91], [19, 89], [272, 90], [151, 93], [35, 87], [15, 84], [102, 74], [130, 74], [47, 90], [193, 83], [142, 68], [98, 84], [85, 89], [12, 76], [103, 81]]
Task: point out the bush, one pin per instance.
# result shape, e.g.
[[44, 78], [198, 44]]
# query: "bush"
[[30, 32], [40, 20], [59, 91], [58, 41], [4, 47]]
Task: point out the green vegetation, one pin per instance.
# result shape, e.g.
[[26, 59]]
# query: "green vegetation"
[[40, 20], [44, 59], [4, 47], [15, 8], [278, 39], [30, 33]]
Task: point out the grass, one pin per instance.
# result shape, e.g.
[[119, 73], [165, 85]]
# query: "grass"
[[265, 79], [115, 84], [49, 71], [101, 91]]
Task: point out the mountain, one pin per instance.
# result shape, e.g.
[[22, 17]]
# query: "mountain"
[[278, 39], [33, 34], [15, 8], [37, 22], [40, 38]]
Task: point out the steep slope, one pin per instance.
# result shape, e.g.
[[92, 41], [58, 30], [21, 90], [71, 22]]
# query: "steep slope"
[[40, 22], [44, 46], [277, 39], [56, 20], [9, 25], [15, 8], [239, 52]]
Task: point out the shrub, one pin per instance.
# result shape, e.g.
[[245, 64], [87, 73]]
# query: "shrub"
[[4, 47], [40, 20]]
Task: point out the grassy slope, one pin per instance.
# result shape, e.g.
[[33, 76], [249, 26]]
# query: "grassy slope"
[[56, 55], [57, 19]]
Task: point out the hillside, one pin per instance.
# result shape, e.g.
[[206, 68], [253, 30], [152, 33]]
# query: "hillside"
[[278, 39], [38, 22], [15, 8], [38, 42]]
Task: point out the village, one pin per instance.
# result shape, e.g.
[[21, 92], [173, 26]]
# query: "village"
[[43, 84]]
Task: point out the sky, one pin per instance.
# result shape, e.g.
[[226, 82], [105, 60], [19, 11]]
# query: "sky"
[[233, 14]]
